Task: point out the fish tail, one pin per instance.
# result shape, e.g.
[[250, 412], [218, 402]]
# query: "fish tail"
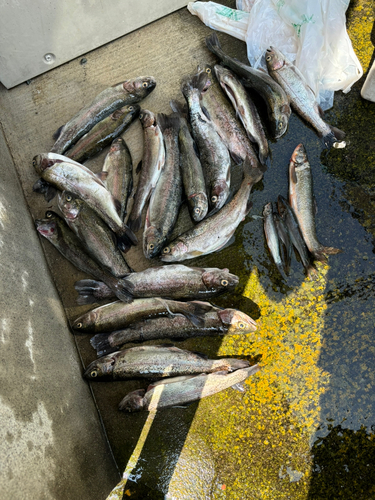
[[101, 344], [331, 140], [126, 238], [57, 134], [331, 250], [214, 46], [45, 188], [178, 107], [252, 172], [197, 82], [168, 122], [135, 224], [91, 291]]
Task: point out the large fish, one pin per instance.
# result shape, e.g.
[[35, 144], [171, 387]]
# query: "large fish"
[[175, 282], [214, 232], [182, 390], [274, 96], [118, 315], [157, 362], [118, 168], [191, 169], [165, 200], [55, 230], [98, 240], [301, 199], [150, 167], [213, 153], [302, 97], [245, 108], [272, 237], [219, 110], [110, 99], [66, 174], [103, 133], [215, 322]]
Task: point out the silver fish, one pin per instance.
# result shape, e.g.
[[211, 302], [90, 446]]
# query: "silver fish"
[[272, 238]]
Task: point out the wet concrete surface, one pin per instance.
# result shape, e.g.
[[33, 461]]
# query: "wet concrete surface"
[[305, 427]]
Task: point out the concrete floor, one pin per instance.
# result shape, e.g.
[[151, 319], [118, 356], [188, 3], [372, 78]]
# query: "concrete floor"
[[230, 446]]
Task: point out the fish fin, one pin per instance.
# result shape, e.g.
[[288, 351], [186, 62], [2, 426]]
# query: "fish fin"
[[178, 107], [249, 206], [57, 134], [213, 44], [92, 291], [254, 174], [135, 224], [206, 113], [236, 158], [168, 122], [239, 387], [123, 289], [197, 82], [101, 344], [293, 173], [331, 250], [126, 238], [330, 139], [285, 108], [102, 176], [200, 354], [339, 134], [45, 188], [139, 167], [263, 158]]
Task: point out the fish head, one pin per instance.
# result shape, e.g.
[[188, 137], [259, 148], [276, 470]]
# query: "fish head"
[[85, 321], [218, 195], [299, 155], [274, 59], [118, 144], [100, 367], [267, 210], [174, 252], [281, 120], [148, 119], [223, 74], [48, 227], [133, 401], [199, 206], [69, 205], [42, 162], [152, 242], [219, 279], [237, 321], [138, 88]]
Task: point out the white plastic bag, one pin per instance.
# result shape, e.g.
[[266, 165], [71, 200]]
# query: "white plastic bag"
[[311, 34]]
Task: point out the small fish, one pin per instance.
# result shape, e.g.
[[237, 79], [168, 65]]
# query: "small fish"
[[215, 322], [191, 169], [245, 108], [157, 362], [283, 235], [179, 391], [165, 200], [302, 97], [301, 199], [272, 238], [150, 168], [118, 168], [96, 237], [118, 315], [56, 231], [213, 153], [274, 96], [103, 133], [67, 174], [215, 231], [119, 95]]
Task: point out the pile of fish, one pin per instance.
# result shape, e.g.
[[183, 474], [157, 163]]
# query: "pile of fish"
[[187, 155], [294, 223]]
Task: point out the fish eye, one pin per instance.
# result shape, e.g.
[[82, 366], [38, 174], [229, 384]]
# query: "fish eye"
[[144, 84], [34, 163], [141, 116], [280, 126], [224, 282], [241, 325], [268, 58], [79, 325], [214, 199], [197, 210], [131, 108], [208, 70], [166, 250], [68, 197], [94, 374], [151, 246], [49, 214]]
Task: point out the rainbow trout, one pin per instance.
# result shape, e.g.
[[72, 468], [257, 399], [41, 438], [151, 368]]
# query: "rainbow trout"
[[103, 133], [178, 391], [215, 322], [154, 361], [55, 230], [274, 96], [105, 103], [214, 232], [118, 168], [301, 96], [150, 166], [301, 199], [67, 174]]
